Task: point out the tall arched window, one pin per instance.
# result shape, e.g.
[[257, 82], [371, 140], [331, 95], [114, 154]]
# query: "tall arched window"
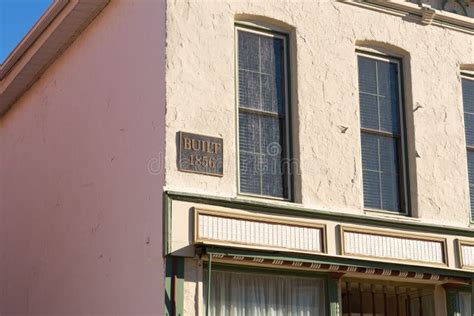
[[382, 123], [263, 108]]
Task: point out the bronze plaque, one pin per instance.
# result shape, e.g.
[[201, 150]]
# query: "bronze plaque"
[[200, 154]]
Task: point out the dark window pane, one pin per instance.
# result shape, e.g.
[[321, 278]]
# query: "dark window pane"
[[261, 134], [271, 55], [271, 136], [389, 116], [369, 113], [248, 51], [249, 89], [380, 172], [272, 176], [372, 196], [388, 154], [272, 94], [470, 169], [370, 152], [367, 75], [250, 173], [379, 95], [468, 95], [390, 192], [469, 128], [249, 132]]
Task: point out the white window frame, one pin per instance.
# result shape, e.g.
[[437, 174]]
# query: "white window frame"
[[251, 28], [403, 168]]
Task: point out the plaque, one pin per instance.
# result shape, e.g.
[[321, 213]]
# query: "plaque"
[[200, 154]]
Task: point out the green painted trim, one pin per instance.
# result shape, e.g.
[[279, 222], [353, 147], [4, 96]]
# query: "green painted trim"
[[174, 286], [209, 275], [167, 211], [235, 267], [299, 211], [168, 293], [179, 286], [333, 297], [335, 260]]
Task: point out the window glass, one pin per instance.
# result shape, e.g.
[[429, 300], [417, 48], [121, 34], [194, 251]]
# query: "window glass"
[[465, 303], [366, 298], [381, 140], [239, 294], [262, 114], [468, 102]]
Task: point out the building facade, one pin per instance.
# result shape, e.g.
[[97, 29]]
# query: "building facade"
[[239, 158], [345, 184]]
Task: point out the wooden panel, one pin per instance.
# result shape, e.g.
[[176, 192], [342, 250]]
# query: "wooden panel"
[[466, 253], [401, 247], [224, 228]]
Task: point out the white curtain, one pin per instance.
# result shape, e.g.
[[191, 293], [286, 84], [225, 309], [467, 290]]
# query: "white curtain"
[[244, 294], [465, 303]]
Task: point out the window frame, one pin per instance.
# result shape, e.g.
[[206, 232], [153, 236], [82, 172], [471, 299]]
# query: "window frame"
[[404, 183], [278, 271], [467, 76], [288, 174]]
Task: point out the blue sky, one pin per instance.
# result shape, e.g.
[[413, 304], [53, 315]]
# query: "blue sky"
[[16, 19]]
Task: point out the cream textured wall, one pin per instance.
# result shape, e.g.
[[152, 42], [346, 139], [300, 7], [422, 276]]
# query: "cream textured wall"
[[201, 99], [80, 225]]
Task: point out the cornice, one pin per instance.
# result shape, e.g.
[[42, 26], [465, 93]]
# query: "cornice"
[[423, 14]]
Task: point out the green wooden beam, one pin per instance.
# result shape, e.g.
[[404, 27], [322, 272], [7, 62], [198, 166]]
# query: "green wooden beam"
[[174, 286], [333, 296], [168, 292]]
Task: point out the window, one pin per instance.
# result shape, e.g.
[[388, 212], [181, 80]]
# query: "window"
[[379, 298], [263, 113], [465, 304], [382, 139], [468, 100], [238, 293]]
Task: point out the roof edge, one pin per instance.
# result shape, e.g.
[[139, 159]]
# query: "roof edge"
[[57, 28]]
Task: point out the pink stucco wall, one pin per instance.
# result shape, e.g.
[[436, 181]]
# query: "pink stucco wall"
[[80, 211]]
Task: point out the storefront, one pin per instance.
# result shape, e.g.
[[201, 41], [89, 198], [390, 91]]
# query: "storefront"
[[246, 261]]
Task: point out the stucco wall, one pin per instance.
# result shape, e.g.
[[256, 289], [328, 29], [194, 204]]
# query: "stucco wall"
[[201, 99], [81, 206]]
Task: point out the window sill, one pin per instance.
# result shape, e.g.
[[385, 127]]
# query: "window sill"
[[387, 214], [266, 199]]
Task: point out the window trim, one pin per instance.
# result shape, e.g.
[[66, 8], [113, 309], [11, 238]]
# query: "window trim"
[[265, 31], [404, 182], [467, 76]]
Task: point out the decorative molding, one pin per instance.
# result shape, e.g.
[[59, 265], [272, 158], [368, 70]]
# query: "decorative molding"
[[427, 14], [386, 245], [235, 229], [420, 13], [340, 270], [466, 254]]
